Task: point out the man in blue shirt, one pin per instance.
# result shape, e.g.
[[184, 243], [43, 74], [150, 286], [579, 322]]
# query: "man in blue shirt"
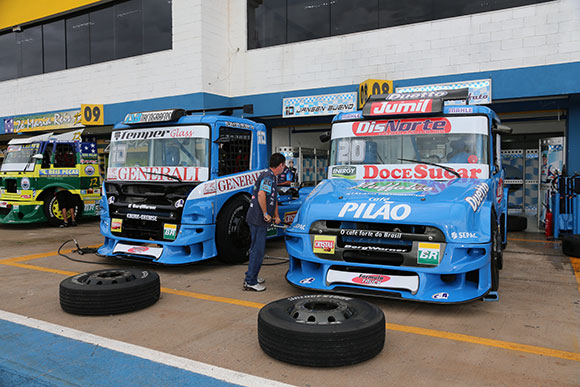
[[263, 210]]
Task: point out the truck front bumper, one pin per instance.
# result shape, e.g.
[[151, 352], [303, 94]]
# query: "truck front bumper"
[[463, 274], [193, 243], [15, 211]]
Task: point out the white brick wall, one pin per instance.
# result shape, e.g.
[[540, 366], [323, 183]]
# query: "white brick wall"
[[209, 54]]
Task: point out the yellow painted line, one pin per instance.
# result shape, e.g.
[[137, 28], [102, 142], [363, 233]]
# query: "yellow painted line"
[[40, 255], [532, 240], [576, 266], [224, 300], [39, 268], [574, 356]]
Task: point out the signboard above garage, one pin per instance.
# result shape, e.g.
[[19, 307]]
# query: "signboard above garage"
[[319, 105], [479, 90]]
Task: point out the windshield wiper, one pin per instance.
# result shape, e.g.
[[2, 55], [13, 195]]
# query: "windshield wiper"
[[165, 175], [448, 169]]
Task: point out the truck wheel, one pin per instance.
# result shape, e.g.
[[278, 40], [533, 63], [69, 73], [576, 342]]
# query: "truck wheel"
[[571, 245], [233, 237], [110, 291], [516, 223], [496, 254], [52, 210], [321, 330]]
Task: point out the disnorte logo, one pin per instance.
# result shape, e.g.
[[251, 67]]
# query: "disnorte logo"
[[399, 127]]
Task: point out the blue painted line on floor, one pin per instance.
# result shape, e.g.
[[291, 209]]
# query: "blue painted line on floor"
[[33, 357]]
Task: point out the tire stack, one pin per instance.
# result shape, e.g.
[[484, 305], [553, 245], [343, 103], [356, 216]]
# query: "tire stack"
[[321, 330]]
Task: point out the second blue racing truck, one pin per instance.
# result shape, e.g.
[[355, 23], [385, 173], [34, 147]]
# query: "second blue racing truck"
[[414, 206], [178, 187]]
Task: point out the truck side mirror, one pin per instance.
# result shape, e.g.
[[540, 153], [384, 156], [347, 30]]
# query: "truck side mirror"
[[325, 137], [502, 129], [224, 138]]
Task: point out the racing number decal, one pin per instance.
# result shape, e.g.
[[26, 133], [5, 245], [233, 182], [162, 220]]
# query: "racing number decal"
[[94, 182], [92, 115], [372, 87]]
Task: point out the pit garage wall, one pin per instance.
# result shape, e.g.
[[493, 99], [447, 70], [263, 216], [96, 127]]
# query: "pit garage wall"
[[573, 135]]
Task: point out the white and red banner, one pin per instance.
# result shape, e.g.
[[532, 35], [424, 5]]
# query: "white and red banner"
[[416, 172], [158, 174], [411, 126]]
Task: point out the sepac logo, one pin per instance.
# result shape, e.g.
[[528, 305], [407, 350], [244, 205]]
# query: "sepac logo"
[[324, 244], [371, 279], [401, 127], [397, 107]]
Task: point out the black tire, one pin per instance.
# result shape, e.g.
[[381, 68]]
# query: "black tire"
[[517, 223], [571, 245], [52, 211], [232, 235], [321, 330], [110, 291], [496, 254]]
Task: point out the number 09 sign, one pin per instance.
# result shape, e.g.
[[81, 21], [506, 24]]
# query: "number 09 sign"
[[92, 115], [373, 87]]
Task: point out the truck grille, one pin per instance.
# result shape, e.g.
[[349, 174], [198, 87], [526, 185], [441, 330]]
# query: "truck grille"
[[144, 208], [389, 244]]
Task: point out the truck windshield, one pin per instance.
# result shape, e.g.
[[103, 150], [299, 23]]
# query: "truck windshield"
[[457, 140], [19, 157], [139, 149]]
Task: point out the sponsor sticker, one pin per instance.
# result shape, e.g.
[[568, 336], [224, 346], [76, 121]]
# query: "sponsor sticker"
[[116, 225], [393, 187], [401, 127], [90, 170], [138, 249], [346, 172], [58, 172], [478, 197], [324, 244], [428, 253], [308, 280], [372, 211], [440, 296], [169, 231], [25, 183], [289, 217], [371, 279]]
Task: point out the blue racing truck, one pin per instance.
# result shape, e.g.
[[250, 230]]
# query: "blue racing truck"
[[178, 187], [414, 206]]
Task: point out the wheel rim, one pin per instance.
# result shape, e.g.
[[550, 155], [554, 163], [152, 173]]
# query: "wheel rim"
[[238, 229], [321, 312], [109, 277], [55, 210]]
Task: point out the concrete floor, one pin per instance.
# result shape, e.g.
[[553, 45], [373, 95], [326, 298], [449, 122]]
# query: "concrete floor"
[[530, 337]]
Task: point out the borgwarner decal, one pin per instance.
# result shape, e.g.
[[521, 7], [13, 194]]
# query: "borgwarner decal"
[[157, 173], [478, 197], [368, 211]]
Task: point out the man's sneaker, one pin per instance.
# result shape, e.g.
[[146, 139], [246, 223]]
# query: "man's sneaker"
[[255, 288], [62, 225], [261, 280]]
